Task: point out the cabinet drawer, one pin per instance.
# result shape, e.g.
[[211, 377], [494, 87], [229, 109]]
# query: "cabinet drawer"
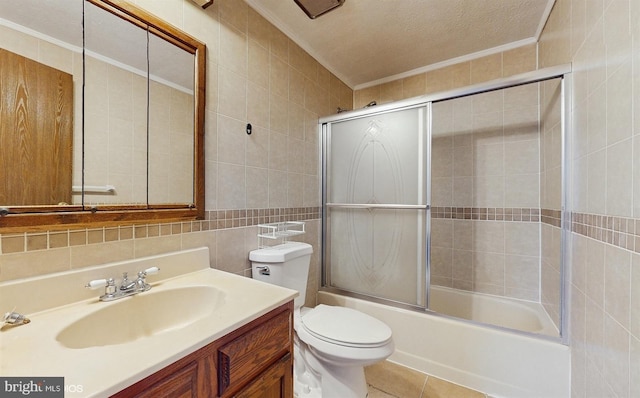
[[249, 354]]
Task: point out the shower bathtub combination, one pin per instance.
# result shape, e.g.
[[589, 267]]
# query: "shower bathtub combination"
[[444, 216]]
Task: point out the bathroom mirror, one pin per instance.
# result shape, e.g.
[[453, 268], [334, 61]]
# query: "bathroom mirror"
[[126, 130]]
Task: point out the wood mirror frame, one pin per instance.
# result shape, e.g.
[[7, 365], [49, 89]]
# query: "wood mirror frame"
[[30, 218]]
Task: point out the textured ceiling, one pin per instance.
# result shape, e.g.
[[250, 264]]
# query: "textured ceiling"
[[367, 41]]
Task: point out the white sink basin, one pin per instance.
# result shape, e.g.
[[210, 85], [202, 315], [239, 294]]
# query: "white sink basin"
[[143, 315]]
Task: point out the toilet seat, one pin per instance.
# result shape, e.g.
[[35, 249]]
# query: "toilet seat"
[[345, 327], [372, 345]]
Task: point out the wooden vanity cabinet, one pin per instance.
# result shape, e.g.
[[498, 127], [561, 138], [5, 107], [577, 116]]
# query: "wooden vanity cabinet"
[[254, 361]]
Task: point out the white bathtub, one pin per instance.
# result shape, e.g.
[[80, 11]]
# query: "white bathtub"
[[497, 362], [500, 311]]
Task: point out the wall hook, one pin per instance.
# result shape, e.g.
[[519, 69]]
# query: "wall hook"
[[249, 128]]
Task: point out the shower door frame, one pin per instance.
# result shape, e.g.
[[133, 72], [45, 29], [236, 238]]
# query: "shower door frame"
[[562, 72], [325, 134]]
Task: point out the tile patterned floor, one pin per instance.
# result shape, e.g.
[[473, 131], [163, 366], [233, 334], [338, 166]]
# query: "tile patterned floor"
[[389, 380]]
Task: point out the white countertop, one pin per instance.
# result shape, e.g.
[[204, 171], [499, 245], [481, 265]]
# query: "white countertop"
[[32, 350]]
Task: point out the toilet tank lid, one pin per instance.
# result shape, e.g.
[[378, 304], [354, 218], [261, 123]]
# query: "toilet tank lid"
[[281, 253]]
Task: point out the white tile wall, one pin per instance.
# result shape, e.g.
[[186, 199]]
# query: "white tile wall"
[[601, 40]]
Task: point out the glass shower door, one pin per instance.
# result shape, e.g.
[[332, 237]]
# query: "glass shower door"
[[375, 202]]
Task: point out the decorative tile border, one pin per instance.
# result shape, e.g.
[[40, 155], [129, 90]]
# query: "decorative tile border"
[[221, 219], [551, 217], [487, 213], [618, 231], [214, 220]]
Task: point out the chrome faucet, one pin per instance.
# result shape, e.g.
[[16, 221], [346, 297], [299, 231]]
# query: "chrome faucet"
[[127, 287], [14, 319]]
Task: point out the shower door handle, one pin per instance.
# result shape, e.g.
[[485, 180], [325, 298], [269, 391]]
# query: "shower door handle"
[[376, 206]]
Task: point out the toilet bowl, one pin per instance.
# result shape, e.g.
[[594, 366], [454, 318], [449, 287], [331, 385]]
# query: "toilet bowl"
[[332, 345]]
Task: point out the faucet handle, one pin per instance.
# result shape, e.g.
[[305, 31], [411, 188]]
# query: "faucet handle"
[[108, 284], [96, 283], [151, 270], [148, 271], [13, 318], [141, 282]]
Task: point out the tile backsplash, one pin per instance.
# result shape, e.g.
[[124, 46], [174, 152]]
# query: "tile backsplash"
[[32, 253]]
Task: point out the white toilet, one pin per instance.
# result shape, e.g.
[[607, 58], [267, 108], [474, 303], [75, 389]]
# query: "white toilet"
[[332, 344]]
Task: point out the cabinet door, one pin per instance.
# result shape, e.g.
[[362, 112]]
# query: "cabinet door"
[[275, 382], [244, 357], [181, 384], [190, 377], [36, 133]]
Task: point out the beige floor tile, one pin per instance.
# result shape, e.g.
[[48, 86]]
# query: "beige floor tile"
[[395, 380], [437, 388], [375, 393]]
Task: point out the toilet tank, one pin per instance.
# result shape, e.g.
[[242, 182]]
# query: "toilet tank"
[[288, 266]]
